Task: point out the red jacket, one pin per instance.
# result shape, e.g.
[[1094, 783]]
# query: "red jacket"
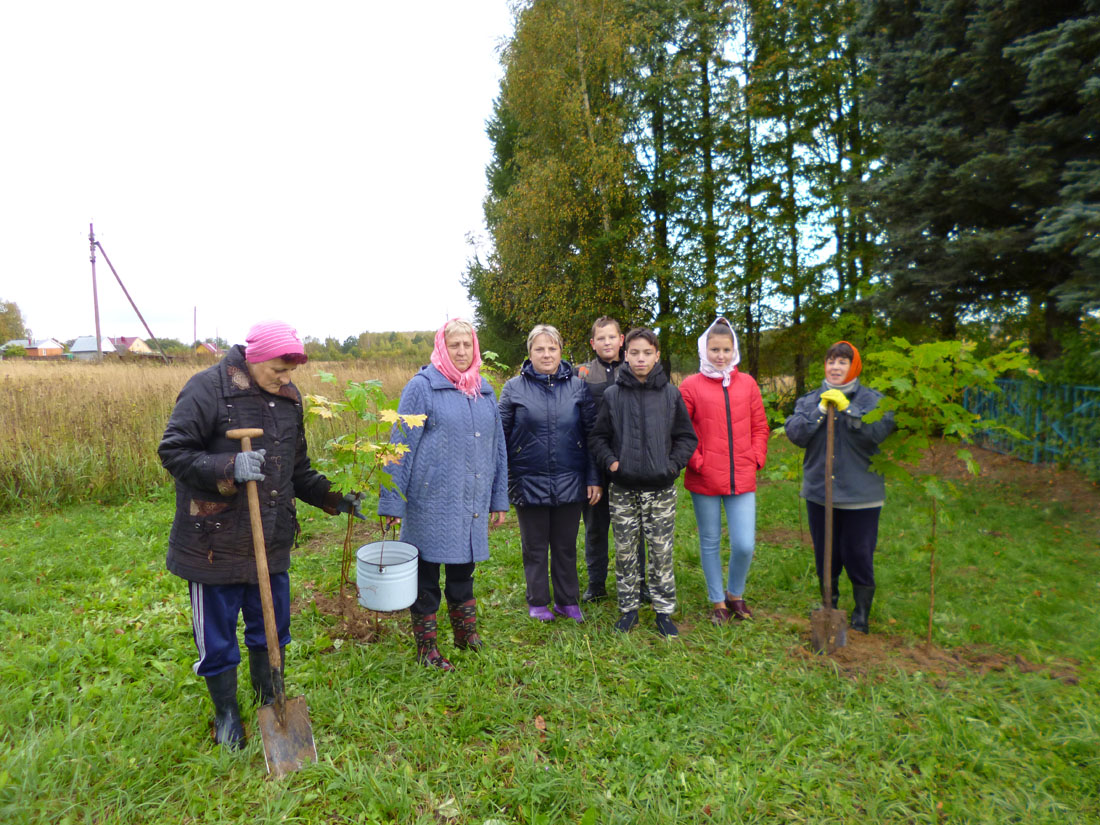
[[732, 430]]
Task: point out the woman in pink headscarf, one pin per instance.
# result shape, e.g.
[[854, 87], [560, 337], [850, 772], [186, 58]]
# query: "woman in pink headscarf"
[[210, 545], [450, 486]]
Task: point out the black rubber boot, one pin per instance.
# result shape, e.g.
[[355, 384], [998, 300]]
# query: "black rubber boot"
[[259, 668], [594, 592], [862, 611], [228, 731], [836, 590]]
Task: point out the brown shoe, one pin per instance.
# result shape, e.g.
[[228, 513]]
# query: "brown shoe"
[[738, 608], [719, 616]]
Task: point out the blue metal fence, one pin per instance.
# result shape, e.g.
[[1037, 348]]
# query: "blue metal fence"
[[1060, 422]]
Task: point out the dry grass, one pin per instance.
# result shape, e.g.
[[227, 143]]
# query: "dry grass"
[[73, 431]]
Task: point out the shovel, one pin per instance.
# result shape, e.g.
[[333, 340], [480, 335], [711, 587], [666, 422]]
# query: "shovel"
[[828, 626], [284, 726]]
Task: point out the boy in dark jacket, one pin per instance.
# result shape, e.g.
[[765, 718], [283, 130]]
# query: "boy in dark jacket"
[[599, 374], [643, 439]]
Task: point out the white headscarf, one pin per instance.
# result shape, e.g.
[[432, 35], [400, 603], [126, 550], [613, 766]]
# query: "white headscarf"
[[706, 367]]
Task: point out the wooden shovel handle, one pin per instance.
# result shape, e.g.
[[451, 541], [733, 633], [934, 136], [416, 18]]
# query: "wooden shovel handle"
[[274, 652], [830, 438]]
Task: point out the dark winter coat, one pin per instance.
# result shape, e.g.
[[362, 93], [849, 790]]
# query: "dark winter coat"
[[546, 420], [455, 473], [643, 425], [732, 430], [211, 537], [855, 443]]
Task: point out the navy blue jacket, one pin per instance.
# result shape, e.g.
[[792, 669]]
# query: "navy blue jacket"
[[546, 420]]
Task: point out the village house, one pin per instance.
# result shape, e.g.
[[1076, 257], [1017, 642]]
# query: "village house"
[[84, 348], [38, 348], [132, 346]]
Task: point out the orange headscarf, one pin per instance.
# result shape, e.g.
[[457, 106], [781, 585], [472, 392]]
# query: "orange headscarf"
[[857, 363]]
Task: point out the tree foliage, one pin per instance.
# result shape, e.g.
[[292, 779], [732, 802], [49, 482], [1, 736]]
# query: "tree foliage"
[[11, 322], [921, 164], [987, 111], [559, 208]]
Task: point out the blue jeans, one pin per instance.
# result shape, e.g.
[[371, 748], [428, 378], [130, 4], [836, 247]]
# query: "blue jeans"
[[741, 521]]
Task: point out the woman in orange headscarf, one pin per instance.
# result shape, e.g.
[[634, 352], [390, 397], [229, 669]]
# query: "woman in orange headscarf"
[[858, 492]]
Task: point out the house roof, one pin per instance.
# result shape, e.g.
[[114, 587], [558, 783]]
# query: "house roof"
[[86, 343], [37, 343], [125, 341]]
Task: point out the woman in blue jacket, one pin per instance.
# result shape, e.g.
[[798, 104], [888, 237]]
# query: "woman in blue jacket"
[[547, 413], [449, 485], [858, 491]]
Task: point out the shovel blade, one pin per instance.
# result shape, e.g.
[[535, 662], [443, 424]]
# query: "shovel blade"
[[828, 630], [288, 744]]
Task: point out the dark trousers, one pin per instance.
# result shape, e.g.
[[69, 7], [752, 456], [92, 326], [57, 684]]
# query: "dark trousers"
[[214, 612], [855, 534], [554, 528], [459, 585], [597, 523]]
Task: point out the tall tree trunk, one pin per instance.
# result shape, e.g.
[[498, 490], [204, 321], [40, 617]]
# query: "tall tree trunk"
[[660, 207], [710, 229]]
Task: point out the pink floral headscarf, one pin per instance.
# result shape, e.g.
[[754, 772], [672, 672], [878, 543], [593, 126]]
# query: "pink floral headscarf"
[[467, 382]]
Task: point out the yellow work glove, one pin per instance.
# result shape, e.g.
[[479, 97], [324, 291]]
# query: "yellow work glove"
[[835, 397]]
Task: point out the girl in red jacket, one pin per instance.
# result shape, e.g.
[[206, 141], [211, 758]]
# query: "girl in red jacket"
[[728, 414]]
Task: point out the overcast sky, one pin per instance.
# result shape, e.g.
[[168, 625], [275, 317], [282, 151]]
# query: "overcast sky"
[[320, 163]]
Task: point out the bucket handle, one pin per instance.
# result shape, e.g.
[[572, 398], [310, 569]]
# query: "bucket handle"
[[382, 549]]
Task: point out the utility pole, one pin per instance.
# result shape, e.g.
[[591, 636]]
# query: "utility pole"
[[95, 293], [131, 300]]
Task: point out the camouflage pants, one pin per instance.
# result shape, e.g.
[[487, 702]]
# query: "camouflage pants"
[[652, 513]]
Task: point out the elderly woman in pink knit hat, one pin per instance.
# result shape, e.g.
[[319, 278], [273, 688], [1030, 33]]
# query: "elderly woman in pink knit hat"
[[210, 545]]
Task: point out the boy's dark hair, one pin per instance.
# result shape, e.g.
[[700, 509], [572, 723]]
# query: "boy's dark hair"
[[645, 334], [840, 350], [605, 321]]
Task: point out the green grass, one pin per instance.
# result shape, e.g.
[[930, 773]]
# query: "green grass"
[[103, 720]]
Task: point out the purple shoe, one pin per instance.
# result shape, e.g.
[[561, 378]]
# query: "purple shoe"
[[540, 612], [571, 611]]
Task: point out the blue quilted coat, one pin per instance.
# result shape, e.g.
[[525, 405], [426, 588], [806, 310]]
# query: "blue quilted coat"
[[546, 421], [455, 473]]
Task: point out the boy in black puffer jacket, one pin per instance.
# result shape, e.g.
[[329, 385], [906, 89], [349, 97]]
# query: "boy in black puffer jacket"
[[643, 439]]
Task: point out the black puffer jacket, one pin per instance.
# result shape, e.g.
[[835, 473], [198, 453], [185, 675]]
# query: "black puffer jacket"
[[211, 538], [646, 428], [546, 420]]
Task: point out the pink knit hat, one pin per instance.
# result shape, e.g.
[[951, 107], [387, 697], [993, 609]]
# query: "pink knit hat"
[[273, 339]]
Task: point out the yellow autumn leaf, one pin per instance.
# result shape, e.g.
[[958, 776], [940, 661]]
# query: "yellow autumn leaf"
[[388, 416], [414, 420]]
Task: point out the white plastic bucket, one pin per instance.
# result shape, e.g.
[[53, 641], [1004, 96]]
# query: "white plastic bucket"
[[386, 574]]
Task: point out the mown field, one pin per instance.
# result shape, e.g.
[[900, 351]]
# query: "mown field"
[[103, 720]]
